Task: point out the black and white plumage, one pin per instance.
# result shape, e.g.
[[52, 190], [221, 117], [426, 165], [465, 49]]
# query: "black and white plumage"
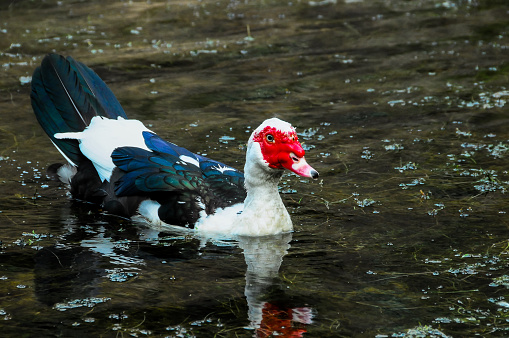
[[127, 169]]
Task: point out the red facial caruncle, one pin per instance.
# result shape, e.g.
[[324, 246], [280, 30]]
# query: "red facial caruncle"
[[282, 150]]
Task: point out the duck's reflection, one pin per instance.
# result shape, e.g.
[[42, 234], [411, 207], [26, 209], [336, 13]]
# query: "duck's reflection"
[[264, 256], [83, 253]]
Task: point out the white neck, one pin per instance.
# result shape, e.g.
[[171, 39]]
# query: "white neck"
[[264, 212]]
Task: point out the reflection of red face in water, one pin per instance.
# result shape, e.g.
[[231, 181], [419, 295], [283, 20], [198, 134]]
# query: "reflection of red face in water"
[[284, 322]]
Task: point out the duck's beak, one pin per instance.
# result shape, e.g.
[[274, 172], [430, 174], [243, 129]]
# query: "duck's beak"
[[300, 166], [292, 158]]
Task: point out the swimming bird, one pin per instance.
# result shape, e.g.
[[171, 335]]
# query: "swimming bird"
[[121, 165]]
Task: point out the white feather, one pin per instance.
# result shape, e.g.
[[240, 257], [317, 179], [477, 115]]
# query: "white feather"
[[222, 222], [103, 136], [190, 160], [149, 209], [66, 173], [222, 169]]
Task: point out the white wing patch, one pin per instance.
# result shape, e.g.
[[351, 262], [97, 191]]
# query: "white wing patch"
[[222, 169], [190, 160], [150, 211], [103, 136]]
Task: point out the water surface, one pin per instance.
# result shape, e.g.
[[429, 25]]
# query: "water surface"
[[401, 106]]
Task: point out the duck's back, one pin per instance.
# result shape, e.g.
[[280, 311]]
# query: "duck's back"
[[119, 163]]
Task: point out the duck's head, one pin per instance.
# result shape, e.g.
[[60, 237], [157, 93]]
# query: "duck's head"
[[275, 144]]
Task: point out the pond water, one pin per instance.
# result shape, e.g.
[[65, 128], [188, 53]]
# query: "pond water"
[[401, 106]]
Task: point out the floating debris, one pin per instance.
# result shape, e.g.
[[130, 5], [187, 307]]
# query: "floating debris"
[[367, 154], [136, 31], [421, 332], [309, 133], [25, 80], [395, 102], [202, 51], [77, 303], [120, 275], [490, 183], [394, 147], [225, 139], [500, 281], [364, 202], [408, 166], [417, 181], [463, 133], [322, 3], [497, 151], [465, 212]]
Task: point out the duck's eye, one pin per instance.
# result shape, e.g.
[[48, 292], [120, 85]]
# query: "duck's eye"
[[269, 138]]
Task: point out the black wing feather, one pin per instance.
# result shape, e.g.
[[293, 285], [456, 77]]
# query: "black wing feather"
[[223, 182], [65, 96], [147, 172]]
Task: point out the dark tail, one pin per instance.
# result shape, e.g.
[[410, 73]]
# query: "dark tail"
[[66, 95]]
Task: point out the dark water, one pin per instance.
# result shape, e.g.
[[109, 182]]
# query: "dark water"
[[401, 106]]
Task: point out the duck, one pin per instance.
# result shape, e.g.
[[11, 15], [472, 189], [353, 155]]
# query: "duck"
[[129, 171]]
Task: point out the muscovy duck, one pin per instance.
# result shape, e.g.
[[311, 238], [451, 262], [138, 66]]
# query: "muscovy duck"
[[121, 165]]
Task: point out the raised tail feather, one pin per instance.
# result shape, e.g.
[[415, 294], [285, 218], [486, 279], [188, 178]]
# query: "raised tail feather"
[[66, 95]]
